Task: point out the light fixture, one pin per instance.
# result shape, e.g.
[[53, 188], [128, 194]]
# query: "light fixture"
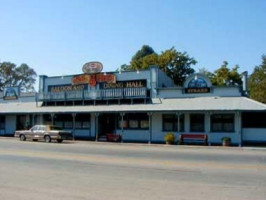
[[196, 77]]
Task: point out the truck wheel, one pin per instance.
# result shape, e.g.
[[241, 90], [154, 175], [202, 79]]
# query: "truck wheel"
[[47, 138], [22, 137]]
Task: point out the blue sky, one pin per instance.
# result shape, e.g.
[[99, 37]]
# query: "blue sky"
[[56, 37]]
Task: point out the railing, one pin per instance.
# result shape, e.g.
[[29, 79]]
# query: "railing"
[[102, 94]]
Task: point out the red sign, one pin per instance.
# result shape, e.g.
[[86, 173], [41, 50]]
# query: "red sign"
[[93, 79]]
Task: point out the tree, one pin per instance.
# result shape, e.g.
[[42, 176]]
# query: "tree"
[[22, 76], [177, 65], [226, 76], [257, 82]]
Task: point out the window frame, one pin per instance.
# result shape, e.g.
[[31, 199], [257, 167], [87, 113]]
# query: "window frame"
[[222, 121], [194, 115]]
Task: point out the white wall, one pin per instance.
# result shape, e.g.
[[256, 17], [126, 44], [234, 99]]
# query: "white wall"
[[134, 135]]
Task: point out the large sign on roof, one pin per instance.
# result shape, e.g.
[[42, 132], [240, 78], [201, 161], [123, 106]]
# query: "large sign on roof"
[[93, 79], [92, 67]]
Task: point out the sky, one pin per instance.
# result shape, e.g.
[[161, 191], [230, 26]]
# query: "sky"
[[56, 37]]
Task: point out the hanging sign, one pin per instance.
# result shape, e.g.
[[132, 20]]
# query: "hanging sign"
[[92, 67]]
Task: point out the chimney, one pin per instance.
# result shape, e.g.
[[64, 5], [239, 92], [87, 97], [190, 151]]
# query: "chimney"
[[245, 83]]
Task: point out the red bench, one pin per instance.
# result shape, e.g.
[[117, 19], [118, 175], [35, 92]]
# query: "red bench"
[[192, 138], [111, 137]]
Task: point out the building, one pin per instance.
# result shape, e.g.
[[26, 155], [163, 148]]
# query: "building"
[[141, 106]]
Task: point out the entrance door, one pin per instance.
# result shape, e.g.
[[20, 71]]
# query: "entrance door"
[[21, 122], [107, 123]]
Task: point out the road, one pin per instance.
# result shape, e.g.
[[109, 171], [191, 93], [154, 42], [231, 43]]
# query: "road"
[[93, 170]]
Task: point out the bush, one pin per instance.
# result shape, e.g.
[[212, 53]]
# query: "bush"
[[169, 138], [226, 139]]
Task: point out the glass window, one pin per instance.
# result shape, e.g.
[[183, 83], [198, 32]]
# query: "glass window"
[[134, 121], [78, 124], [82, 121], [197, 122], [222, 123], [133, 124], [68, 124], [144, 124], [170, 122]]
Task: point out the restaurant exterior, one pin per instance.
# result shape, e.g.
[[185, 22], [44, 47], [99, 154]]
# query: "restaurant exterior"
[[137, 106]]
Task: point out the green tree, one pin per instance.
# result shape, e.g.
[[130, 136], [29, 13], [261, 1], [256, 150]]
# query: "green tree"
[[226, 76], [177, 65], [22, 76], [257, 82]]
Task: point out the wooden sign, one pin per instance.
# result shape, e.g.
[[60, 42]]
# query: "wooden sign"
[[93, 79]]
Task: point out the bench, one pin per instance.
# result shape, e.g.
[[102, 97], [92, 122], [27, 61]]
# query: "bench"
[[111, 137], [193, 138]]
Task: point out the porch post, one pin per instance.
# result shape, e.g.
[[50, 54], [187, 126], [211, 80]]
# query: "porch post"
[[240, 128], [33, 120], [74, 124], [208, 126], [150, 127], [52, 118], [96, 126], [178, 124], [122, 125]]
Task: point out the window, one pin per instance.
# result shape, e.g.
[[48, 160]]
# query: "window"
[[82, 121], [64, 121], [2, 122], [222, 123], [134, 121], [197, 122], [170, 122]]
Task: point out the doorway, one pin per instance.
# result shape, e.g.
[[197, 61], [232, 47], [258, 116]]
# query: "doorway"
[[107, 124]]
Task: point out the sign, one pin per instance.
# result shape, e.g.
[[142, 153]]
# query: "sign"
[[92, 67], [93, 79], [67, 88], [125, 84], [11, 93], [197, 90]]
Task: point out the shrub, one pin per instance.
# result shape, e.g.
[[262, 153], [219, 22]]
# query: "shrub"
[[226, 139], [169, 138]]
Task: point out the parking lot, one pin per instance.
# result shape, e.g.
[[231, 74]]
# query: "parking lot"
[[95, 170]]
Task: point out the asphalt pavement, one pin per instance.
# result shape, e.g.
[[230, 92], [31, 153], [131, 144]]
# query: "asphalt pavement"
[[98, 170]]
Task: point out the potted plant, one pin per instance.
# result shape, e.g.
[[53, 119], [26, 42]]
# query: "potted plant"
[[226, 141], [169, 138]]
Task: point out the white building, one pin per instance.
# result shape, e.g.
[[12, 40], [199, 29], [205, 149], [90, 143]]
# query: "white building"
[[141, 106]]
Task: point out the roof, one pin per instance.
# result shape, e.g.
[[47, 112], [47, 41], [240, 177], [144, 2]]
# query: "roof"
[[158, 105]]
